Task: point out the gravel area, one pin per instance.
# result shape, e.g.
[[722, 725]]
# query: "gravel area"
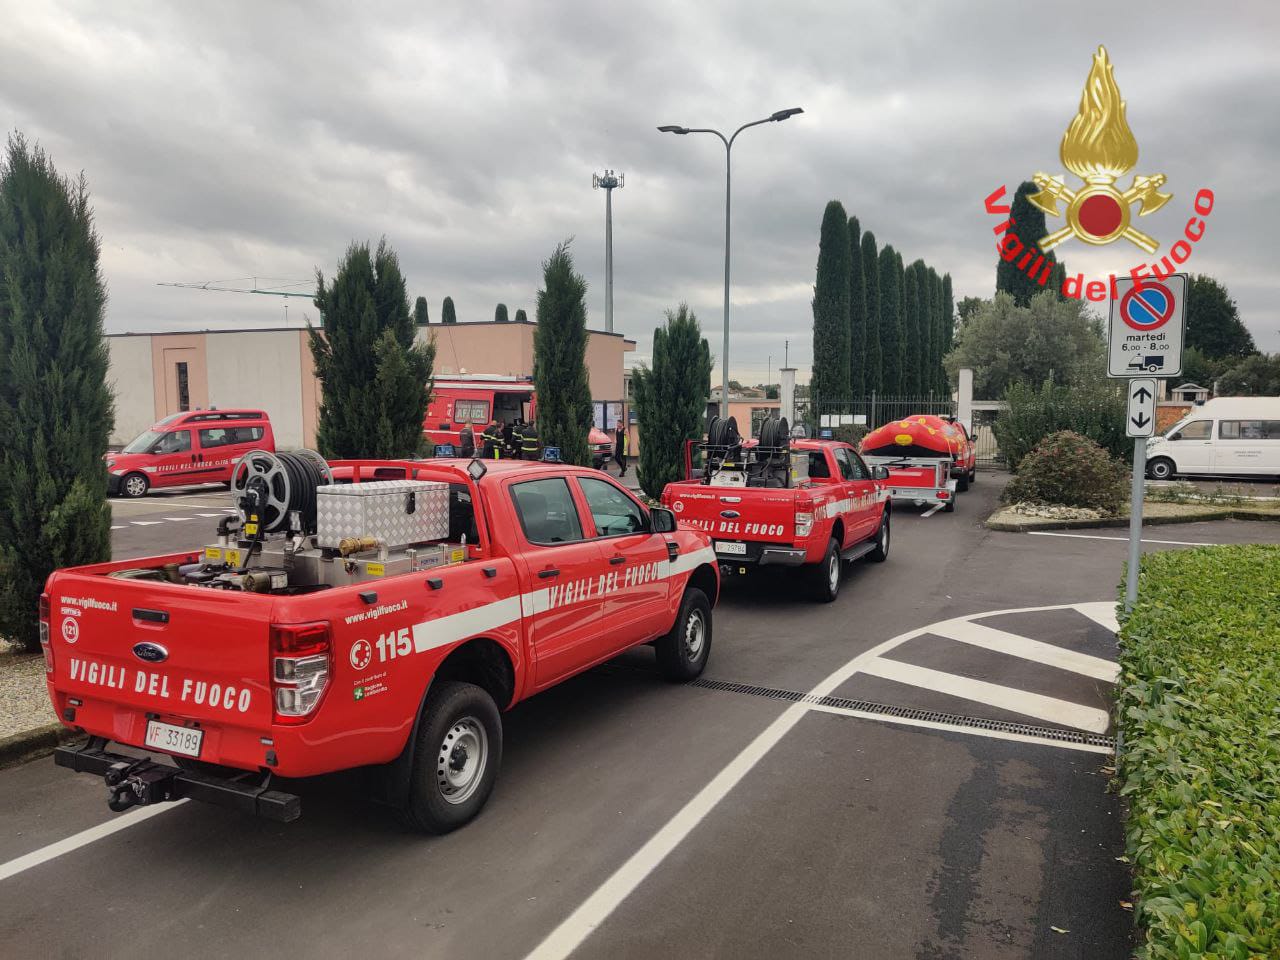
[[24, 700]]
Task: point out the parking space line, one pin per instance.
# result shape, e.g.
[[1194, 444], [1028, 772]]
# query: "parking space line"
[[1094, 536], [932, 510], [179, 519], [84, 837], [992, 694], [146, 523], [1016, 645], [967, 731], [118, 527]]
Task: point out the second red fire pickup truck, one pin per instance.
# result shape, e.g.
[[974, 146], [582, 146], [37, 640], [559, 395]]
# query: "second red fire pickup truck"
[[779, 502], [364, 614]]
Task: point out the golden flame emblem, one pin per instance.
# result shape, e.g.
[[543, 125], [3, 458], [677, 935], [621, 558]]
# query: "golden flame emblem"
[[1099, 148]]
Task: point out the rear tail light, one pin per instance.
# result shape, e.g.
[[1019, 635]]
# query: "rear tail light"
[[44, 633], [944, 495], [804, 524], [300, 669]]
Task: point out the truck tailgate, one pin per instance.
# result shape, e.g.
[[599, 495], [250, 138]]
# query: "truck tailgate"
[[128, 648], [735, 514]]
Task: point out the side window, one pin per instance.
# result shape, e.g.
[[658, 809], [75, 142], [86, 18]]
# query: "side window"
[[612, 510], [244, 434], [214, 438], [818, 465], [1196, 430], [860, 469], [1242, 430], [1272, 428], [846, 467], [177, 442], [471, 411], [547, 511]]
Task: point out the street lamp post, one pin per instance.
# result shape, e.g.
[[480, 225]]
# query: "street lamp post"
[[728, 147], [610, 182]]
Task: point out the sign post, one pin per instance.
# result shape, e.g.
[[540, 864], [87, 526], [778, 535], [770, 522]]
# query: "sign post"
[[1144, 339]]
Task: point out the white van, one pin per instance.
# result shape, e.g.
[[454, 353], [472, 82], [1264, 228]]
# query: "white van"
[[1229, 436]]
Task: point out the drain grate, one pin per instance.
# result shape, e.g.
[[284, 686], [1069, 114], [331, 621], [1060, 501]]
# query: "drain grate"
[[910, 713]]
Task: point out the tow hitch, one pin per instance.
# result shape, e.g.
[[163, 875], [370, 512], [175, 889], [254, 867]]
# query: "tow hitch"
[[138, 781]]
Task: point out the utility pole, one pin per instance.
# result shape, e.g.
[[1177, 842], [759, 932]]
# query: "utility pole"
[[609, 181]]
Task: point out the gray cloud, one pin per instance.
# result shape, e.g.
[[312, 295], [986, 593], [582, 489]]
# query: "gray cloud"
[[229, 140]]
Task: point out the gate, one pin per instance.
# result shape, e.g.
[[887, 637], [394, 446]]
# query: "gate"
[[874, 410]]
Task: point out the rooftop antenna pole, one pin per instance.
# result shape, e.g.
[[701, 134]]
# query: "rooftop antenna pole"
[[609, 182]]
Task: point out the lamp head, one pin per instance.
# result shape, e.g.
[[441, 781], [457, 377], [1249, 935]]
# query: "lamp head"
[[673, 128], [783, 114]]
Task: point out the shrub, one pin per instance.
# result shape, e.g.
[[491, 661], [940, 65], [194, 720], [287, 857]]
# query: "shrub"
[[1070, 470], [1200, 766], [1095, 410]]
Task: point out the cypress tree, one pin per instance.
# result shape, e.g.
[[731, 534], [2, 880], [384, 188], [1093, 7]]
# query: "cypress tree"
[[1029, 227], [375, 378], [447, 314], [857, 314], [928, 310], [420, 317], [873, 368], [671, 399], [948, 321], [55, 406], [560, 359], [937, 375], [912, 341], [831, 308], [890, 322], [500, 314], [521, 316]]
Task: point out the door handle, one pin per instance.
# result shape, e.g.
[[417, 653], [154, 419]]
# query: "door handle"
[[549, 573], [617, 560]]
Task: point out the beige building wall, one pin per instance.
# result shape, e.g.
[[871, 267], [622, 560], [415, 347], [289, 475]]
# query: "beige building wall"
[[261, 369], [129, 377]]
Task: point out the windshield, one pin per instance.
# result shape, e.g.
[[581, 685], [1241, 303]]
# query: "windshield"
[[142, 442]]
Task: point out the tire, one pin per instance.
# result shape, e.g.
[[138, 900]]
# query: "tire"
[[683, 652], [456, 758], [135, 485], [1161, 468], [949, 506], [973, 475], [962, 484], [881, 552], [824, 576]]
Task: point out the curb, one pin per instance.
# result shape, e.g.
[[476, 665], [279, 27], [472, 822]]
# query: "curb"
[[1227, 514], [27, 743]]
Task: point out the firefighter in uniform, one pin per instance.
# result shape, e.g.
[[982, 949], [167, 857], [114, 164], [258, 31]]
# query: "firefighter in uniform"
[[528, 442], [492, 438]]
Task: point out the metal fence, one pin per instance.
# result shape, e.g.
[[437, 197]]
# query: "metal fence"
[[984, 437], [874, 410]]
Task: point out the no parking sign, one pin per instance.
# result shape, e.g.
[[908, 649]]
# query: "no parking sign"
[[1146, 327]]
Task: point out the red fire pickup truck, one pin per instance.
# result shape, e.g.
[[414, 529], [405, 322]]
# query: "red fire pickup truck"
[[364, 614], [780, 502]]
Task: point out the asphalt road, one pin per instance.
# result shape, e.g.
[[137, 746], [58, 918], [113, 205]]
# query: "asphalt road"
[[940, 794]]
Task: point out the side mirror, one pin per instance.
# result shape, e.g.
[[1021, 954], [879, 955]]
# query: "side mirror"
[[662, 520], [880, 472], [1174, 436]]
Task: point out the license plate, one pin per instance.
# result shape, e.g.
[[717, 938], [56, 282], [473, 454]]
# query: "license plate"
[[174, 739], [736, 549]]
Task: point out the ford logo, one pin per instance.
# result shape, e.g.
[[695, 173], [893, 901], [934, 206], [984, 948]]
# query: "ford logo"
[[150, 652], [730, 514]]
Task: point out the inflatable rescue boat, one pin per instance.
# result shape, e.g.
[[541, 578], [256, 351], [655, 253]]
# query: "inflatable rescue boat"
[[919, 435]]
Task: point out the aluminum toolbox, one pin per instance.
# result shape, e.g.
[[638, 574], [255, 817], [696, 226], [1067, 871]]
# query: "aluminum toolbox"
[[397, 512]]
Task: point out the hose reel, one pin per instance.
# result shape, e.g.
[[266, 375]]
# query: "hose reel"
[[274, 485]]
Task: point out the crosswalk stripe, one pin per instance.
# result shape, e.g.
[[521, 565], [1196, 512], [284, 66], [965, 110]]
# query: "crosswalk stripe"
[[1102, 613], [993, 694], [1016, 645]]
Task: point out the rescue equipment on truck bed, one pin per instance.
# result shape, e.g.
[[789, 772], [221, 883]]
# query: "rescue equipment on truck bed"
[[920, 435]]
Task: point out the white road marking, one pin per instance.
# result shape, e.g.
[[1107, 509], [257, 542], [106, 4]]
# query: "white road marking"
[[84, 837], [146, 523], [118, 527], [932, 510], [224, 513], [1016, 645], [992, 694], [1094, 536], [179, 519], [1103, 614], [967, 731]]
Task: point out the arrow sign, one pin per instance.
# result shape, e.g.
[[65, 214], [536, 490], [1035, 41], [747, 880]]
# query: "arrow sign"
[[1140, 417]]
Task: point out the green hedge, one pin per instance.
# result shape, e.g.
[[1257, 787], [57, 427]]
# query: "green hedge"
[[1095, 410], [1199, 711]]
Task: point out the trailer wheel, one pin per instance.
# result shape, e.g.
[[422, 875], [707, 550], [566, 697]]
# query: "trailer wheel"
[[825, 575], [881, 552], [458, 753], [683, 652], [949, 505]]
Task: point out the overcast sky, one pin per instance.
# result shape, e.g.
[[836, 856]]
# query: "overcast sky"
[[228, 140]]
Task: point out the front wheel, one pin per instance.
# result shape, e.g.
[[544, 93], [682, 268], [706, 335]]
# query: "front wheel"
[[457, 756], [881, 552], [135, 485], [683, 652], [825, 575], [1161, 468]]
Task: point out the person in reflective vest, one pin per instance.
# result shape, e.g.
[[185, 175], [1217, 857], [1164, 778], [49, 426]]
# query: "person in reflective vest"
[[492, 438], [529, 442]]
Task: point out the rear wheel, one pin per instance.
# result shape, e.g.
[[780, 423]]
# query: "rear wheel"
[[881, 552], [457, 755], [1161, 468], [962, 484], [949, 505], [683, 652], [973, 474], [135, 485], [825, 575]]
